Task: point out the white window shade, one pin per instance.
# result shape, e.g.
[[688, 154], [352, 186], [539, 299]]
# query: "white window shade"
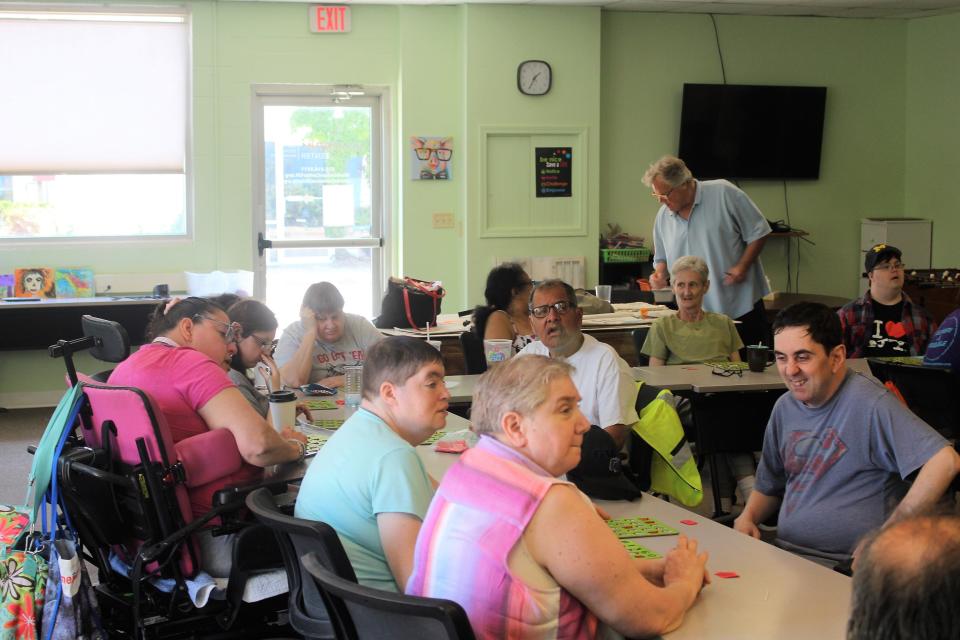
[[93, 94]]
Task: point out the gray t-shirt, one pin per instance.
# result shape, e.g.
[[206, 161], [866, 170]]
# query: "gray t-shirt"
[[329, 359], [256, 399], [838, 467]]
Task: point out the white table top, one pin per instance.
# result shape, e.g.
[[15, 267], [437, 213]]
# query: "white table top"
[[701, 379], [778, 595], [101, 301]]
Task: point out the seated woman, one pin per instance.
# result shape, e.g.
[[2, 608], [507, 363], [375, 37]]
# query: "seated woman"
[[550, 567], [505, 316], [184, 370], [324, 340], [694, 336], [368, 482], [255, 347]]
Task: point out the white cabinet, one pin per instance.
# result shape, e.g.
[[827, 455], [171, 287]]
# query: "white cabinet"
[[913, 236]]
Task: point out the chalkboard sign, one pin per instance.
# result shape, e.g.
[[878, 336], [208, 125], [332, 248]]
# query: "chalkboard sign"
[[553, 172]]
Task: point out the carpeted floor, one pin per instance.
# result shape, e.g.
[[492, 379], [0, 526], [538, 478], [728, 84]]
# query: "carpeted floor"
[[18, 428]]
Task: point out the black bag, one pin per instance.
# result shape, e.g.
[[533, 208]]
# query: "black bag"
[[410, 303], [601, 473]]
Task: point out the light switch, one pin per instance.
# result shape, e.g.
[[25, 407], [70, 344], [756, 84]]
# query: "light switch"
[[443, 221]]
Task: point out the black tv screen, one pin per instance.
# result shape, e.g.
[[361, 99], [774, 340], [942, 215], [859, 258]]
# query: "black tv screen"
[[752, 131]]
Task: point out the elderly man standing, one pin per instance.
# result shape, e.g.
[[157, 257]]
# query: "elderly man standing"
[[837, 445], [608, 392], [716, 221], [885, 321]]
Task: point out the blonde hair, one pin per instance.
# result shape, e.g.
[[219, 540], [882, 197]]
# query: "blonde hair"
[[520, 384]]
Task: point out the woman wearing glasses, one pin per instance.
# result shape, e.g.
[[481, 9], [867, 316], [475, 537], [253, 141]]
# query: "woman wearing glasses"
[[254, 350], [184, 371]]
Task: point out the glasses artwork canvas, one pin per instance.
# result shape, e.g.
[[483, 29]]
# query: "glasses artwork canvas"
[[431, 157]]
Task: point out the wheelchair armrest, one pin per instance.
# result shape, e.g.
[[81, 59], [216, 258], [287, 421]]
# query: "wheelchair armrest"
[[208, 456]]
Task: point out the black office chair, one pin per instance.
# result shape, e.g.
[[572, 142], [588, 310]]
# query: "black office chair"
[[639, 336], [296, 536], [364, 613], [932, 394], [473, 355]]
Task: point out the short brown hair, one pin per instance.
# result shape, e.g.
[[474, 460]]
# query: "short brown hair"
[[395, 359], [520, 384]]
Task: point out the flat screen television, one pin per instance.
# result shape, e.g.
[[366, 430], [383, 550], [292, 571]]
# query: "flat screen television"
[[739, 131]]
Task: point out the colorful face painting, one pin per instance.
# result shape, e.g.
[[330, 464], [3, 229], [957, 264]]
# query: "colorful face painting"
[[431, 157], [34, 282]]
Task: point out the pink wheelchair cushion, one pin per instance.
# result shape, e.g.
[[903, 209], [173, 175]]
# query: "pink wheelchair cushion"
[[208, 456]]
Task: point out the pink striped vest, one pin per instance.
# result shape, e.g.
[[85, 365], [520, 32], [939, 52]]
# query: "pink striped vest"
[[479, 513]]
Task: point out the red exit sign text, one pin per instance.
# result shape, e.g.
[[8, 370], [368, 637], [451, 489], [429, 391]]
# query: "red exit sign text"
[[326, 18]]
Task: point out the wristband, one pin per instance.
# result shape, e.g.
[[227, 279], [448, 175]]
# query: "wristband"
[[303, 449]]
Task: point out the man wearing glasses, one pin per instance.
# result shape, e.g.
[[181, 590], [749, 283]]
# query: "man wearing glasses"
[[885, 321], [716, 221], [607, 390]]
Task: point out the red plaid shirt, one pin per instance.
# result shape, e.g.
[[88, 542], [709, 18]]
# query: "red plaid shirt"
[[857, 316]]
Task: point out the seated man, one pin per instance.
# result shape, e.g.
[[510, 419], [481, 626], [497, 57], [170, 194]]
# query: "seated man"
[[693, 336], [885, 321], [906, 583], [367, 482], [324, 340], [608, 392], [836, 444]]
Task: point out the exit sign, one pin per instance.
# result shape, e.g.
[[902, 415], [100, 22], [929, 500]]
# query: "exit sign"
[[327, 18]]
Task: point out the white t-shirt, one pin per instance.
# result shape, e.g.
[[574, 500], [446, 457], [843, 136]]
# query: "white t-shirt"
[[329, 359], [607, 390]]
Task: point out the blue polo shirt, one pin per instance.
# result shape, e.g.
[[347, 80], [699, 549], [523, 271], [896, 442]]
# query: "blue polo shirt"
[[722, 223]]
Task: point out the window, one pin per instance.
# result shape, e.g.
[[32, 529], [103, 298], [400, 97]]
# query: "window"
[[94, 122]]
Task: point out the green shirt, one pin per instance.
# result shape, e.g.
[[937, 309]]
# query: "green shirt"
[[674, 341]]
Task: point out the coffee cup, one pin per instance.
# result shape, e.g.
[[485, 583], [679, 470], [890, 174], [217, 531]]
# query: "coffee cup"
[[497, 351], [283, 409], [759, 357]]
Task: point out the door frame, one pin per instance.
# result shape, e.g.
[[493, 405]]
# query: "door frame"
[[378, 97]]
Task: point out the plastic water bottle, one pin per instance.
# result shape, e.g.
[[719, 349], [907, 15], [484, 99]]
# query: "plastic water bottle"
[[353, 385]]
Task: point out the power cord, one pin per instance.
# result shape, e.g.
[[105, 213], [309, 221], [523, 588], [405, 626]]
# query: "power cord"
[[716, 36]]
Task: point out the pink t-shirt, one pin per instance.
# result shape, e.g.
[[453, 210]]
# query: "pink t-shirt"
[[181, 380]]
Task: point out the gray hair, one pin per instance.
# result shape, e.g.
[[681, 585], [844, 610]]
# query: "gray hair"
[[690, 263], [520, 384], [554, 283], [670, 169]]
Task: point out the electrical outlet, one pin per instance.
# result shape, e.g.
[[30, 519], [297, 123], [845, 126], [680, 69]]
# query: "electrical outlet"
[[443, 221]]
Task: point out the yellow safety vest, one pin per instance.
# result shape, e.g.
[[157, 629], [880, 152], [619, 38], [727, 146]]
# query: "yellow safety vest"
[[673, 470]]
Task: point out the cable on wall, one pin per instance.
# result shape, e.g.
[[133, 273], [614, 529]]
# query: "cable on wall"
[[716, 36]]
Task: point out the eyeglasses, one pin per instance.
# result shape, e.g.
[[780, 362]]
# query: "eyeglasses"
[[442, 154], [664, 196], [232, 332], [726, 373], [890, 266], [267, 346], [543, 310]]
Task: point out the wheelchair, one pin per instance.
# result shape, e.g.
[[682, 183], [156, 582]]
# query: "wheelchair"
[[125, 487]]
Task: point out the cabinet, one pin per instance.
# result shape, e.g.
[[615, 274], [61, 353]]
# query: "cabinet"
[[913, 236]]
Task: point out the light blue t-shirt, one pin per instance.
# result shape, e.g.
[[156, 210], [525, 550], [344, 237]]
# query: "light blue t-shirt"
[[363, 470], [722, 223]]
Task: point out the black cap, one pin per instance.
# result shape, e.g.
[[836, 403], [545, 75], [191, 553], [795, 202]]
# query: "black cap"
[[880, 253]]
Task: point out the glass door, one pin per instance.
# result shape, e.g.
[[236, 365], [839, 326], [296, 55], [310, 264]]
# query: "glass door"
[[319, 196]]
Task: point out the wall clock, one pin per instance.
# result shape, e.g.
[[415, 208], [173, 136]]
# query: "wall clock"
[[534, 77]]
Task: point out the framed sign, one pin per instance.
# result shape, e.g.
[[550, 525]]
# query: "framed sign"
[[553, 172]]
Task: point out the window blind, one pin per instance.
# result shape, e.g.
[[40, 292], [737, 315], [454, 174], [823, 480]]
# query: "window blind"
[[87, 92]]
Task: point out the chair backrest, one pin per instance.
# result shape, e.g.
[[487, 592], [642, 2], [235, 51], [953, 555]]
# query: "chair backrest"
[[135, 429], [639, 335], [364, 613], [111, 341], [473, 355], [933, 394], [296, 536]]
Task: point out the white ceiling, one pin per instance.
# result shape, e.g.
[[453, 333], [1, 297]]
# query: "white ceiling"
[[829, 8]]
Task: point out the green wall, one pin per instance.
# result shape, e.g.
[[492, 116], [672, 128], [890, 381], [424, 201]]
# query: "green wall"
[[933, 136], [646, 60], [451, 70]]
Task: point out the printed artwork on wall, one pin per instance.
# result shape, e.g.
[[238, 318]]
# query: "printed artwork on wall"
[[34, 282], [74, 283], [6, 285], [431, 157]]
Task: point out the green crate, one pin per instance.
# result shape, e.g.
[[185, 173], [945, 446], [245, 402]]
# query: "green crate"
[[633, 254]]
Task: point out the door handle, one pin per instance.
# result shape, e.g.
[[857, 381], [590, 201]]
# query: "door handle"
[[263, 243]]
